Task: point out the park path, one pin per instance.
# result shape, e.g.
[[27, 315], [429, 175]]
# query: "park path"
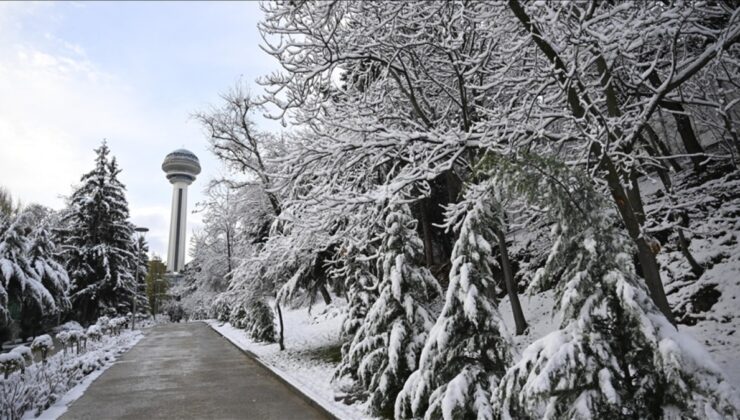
[[188, 371]]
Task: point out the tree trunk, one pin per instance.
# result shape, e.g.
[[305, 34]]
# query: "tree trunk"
[[683, 125], [645, 253], [662, 147], [228, 250], [511, 289], [426, 233], [281, 342], [683, 244], [325, 294]]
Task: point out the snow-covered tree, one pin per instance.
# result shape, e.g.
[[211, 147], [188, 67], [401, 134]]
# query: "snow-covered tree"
[[20, 283], [140, 249], [157, 285], [468, 349], [8, 206], [98, 242], [385, 349], [361, 287], [44, 257], [615, 354]]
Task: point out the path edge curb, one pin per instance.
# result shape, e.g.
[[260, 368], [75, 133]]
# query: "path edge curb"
[[312, 402]]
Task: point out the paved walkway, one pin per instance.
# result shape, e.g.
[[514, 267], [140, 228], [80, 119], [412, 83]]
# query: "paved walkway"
[[188, 371]]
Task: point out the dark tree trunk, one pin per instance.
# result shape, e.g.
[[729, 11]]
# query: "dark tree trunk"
[[662, 147], [683, 125], [281, 341], [511, 289], [683, 244], [228, 250], [426, 229], [325, 294]]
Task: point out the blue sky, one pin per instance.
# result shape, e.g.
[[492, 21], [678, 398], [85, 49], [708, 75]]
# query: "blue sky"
[[72, 74]]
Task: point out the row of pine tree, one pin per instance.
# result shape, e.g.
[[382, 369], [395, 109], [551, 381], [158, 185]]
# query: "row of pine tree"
[[74, 264]]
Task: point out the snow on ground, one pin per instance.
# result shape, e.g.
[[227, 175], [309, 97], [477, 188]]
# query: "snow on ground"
[[312, 351], [540, 314], [711, 301]]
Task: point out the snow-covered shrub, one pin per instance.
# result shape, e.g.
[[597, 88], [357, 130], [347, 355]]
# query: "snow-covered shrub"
[[256, 317], [93, 332], [385, 350], [25, 353], [64, 339], [239, 315], [260, 322], [10, 362], [468, 349], [222, 307], [104, 323], [42, 345], [44, 383], [78, 338], [112, 325]]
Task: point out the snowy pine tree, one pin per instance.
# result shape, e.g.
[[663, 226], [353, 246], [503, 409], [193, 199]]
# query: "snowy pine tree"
[[468, 349], [98, 242], [361, 285], [43, 255], [615, 354], [20, 283], [141, 248], [386, 347]]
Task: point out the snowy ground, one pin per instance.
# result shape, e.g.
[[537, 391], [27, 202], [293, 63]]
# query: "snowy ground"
[[711, 301], [312, 343], [312, 350]]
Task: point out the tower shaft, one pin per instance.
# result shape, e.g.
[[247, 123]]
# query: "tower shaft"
[[178, 227]]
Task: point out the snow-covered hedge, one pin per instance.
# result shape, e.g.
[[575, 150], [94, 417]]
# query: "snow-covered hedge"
[[261, 322], [28, 386], [42, 345]]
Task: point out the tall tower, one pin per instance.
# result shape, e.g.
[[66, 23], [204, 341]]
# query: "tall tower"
[[181, 167]]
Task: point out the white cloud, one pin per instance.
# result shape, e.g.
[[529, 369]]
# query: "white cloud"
[[56, 105]]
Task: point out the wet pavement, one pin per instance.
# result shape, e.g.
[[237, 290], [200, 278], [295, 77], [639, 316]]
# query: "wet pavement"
[[188, 371]]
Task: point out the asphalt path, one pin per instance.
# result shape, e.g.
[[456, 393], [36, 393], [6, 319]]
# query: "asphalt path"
[[188, 371]]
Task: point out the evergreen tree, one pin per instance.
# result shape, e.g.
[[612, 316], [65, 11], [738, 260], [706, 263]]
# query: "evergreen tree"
[[20, 283], [386, 347], [156, 284], [615, 355], [98, 242], [8, 206], [362, 291], [44, 259], [141, 249], [468, 349]]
